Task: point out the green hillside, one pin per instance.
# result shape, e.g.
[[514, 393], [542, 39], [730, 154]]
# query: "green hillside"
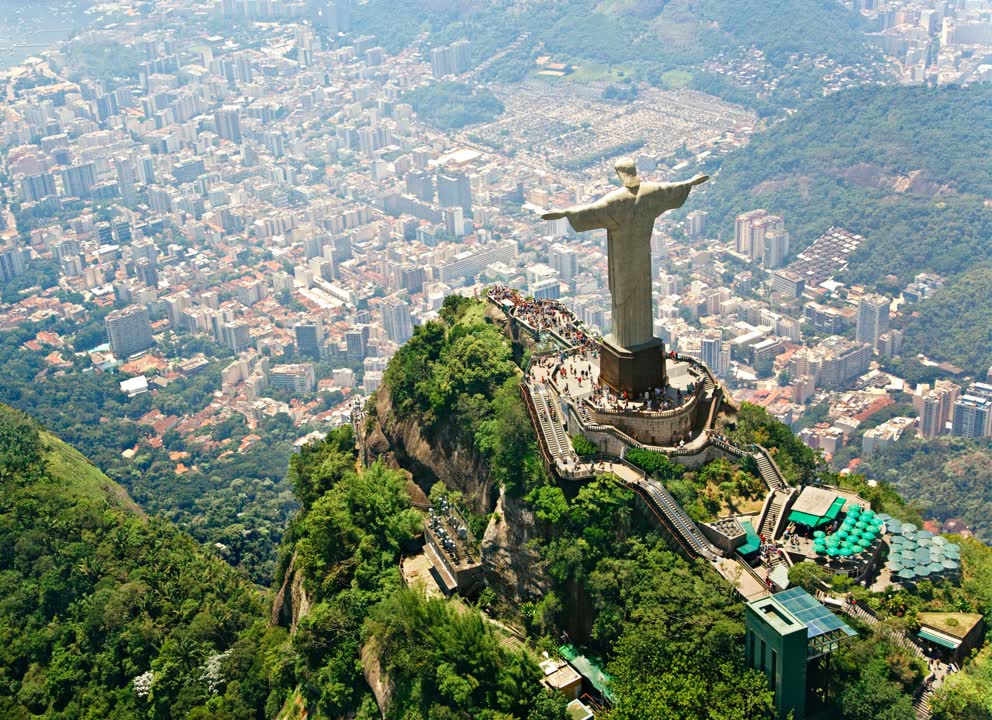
[[645, 37], [907, 167], [98, 601]]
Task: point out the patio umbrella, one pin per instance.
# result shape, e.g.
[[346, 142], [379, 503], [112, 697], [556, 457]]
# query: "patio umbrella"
[[939, 540], [860, 524], [819, 534], [894, 566], [894, 526], [853, 508], [951, 564], [908, 527], [952, 555], [897, 540], [924, 534], [868, 514], [922, 570], [884, 517], [907, 573], [936, 567], [908, 556], [842, 533], [820, 549], [865, 543], [923, 555], [847, 552], [952, 546], [833, 552]]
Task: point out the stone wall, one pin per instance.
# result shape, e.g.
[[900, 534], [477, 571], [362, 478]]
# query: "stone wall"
[[662, 429]]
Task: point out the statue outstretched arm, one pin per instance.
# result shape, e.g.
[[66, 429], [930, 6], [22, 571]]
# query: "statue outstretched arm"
[[594, 216]]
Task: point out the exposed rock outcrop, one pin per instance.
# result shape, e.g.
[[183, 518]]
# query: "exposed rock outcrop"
[[513, 569], [291, 603], [403, 443]]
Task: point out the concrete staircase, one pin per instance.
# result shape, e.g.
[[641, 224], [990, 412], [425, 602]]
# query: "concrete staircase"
[[921, 705], [770, 472], [551, 429], [770, 520]]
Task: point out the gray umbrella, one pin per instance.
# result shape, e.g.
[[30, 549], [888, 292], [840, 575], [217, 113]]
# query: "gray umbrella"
[[907, 574]]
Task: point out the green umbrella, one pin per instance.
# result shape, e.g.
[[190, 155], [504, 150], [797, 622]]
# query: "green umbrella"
[[860, 524], [833, 552], [842, 533], [847, 551], [865, 543], [868, 514], [819, 534], [820, 549], [853, 509]]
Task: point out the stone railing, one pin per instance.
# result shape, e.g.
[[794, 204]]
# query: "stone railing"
[[685, 407]]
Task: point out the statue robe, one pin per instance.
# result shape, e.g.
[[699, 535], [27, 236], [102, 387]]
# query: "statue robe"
[[628, 217]]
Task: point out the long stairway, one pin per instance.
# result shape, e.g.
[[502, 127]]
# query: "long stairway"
[[676, 518], [770, 521], [552, 430], [769, 471], [921, 705]]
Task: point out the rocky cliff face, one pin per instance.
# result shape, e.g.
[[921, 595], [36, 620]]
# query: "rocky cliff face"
[[291, 603], [402, 443], [513, 569]]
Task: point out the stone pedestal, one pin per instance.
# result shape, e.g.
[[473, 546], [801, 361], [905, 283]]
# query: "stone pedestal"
[[632, 370]]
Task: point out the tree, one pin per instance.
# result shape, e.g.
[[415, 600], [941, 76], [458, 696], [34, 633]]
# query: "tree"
[[809, 576]]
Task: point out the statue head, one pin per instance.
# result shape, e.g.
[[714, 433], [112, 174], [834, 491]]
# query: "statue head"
[[627, 170]]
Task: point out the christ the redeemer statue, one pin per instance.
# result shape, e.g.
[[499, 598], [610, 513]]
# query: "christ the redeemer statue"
[[628, 216]]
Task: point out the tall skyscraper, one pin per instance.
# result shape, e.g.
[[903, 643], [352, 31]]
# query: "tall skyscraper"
[[751, 229], [935, 408], [396, 319], [126, 179], [237, 336], [37, 187], [565, 260], [309, 337], [873, 319], [129, 331], [776, 243], [696, 224], [228, 124], [972, 417], [78, 180], [715, 354], [454, 190], [13, 262]]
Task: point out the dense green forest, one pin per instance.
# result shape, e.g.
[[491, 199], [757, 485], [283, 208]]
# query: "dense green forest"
[[451, 105], [950, 476], [105, 613], [959, 318], [240, 500], [645, 37]]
